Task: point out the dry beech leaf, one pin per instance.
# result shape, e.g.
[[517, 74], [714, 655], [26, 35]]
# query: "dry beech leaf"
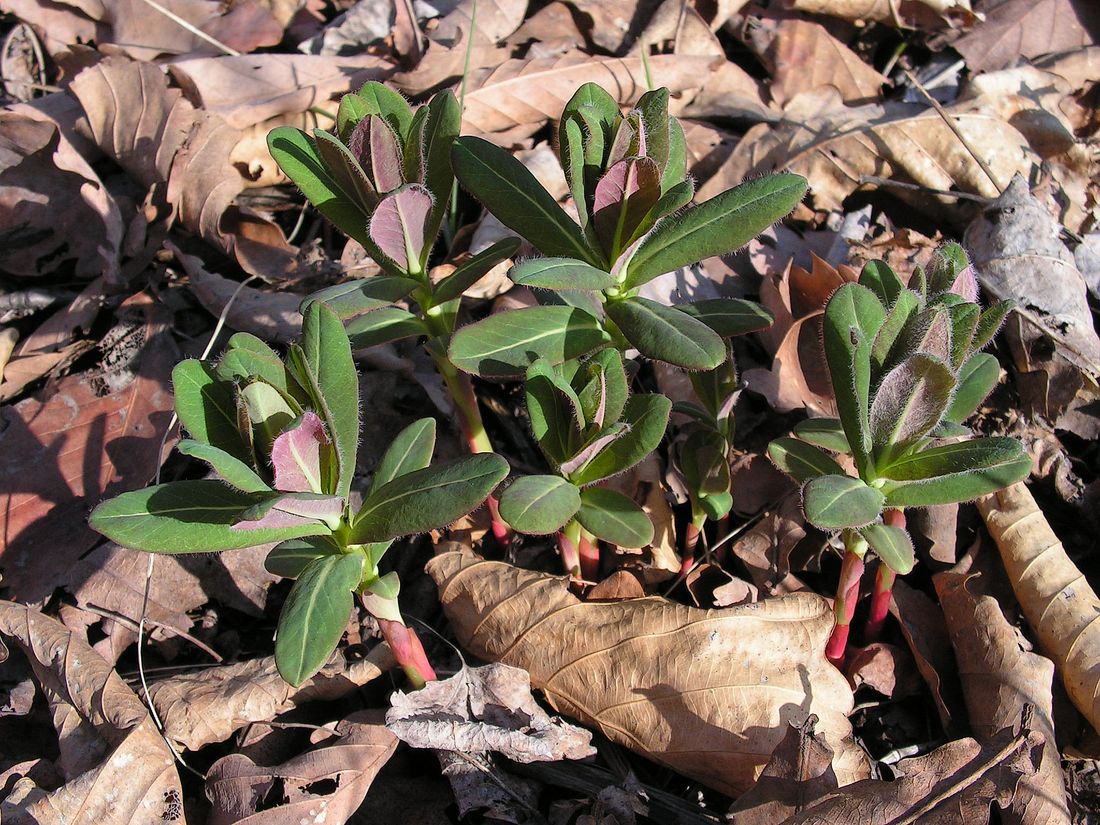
[[1058, 602], [58, 25], [924, 14], [706, 692], [806, 57], [210, 705], [528, 93], [955, 783], [1016, 29], [766, 548], [116, 767], [1000, 676], [93, 436], [321, 785], [884, 668], [485, 709]]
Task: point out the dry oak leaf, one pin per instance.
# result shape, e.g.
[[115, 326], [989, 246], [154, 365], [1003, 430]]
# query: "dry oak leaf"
[[117, 768], [1016, 29], [923, 14], [806, 57], [1000, 676], [485, 709], [326, 784], [834, 146], [1058, 602], [210, 705], [706, 692]]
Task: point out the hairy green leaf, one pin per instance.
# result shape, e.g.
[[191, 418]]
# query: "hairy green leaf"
[[989, 322], [362, 295], [470, 271], [903, 308], [207, 408], [909, 403], [827, 433], [612, 517], [729, 316], [290, 558], [892, 545], [554, 410], [560, 273], [667, 334], [705, 463], [955, 472], [881, 280], [247, 357], [230, 468], [411, 450], [538, 505], [834, 502], [977, 378], [647, 417], [802, 461], [380, 326]]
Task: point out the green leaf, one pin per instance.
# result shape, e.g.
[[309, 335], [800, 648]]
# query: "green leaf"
[[441, 127], [207, 407], [827, 433], [554, 410], [715, 227], [667, 334], [538, 505], [247, 357], [653, 107], [852, 317], [290, 558], [955, 472], [878, 277], [514, 195], [989, 322], [230, 468], [892, 544], [977, 378], [504, 345], [426, 499], [705, 462], [411, 450], [560, 273], [362, 295], [585, 127], [375, 99], [717, 505], [315, 614], [909, 403], [647, 417], [802, 461], [345, 170], [906, 304], [335, 386], [380, 326], [729, 316], [186, 517], [604, 394], [964, 321], [676, 167], [834, 502], [717, 390], [470, 271], [614, 518]]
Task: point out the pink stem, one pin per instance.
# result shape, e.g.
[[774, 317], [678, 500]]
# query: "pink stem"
[[408, 651], [691, 539], [570, 558], [589, 552], [847, 594], [884, 584]]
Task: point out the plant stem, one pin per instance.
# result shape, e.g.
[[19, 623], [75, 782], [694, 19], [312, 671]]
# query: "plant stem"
[[408, 651], [884, 584], [847, 594], [694, 530], [568, 542], [589, 551]]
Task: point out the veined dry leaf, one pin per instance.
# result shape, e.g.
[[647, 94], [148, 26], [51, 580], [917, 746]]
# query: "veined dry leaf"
[[729, 92], [93, 436], [1000, 676], [705, 692], [1058, 602], [1016, 29], [118, 769], [806, 57], [614, 25], [324, 784], [210, 705], [250, 89], [58, 25], [528, 93], [766, 548], [923, 14], [834, 146], [485, 709]]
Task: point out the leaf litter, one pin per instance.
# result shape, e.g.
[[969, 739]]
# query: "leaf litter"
[[137, 178]]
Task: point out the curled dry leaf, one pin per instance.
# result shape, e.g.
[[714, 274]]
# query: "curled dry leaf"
[[326, 784], [705, 692], [1058, 602], [117, 768], [1016, 29], [1000, 676], [807, 57], [210, 705], [485, 709]]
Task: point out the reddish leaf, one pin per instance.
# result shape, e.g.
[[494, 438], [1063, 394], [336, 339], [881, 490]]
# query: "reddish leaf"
[[399, 225], [296, 456]]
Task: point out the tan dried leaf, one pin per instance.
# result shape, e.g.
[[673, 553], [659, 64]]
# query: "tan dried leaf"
[[923, 14], [1017, 29], [1000, 676], [242, 791], [705, 692], [1057, 600], [118, 769], [806, 56]]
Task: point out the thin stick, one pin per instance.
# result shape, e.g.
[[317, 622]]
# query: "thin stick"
[[175, 631], [953, 127], [191, 27], [916, 187]]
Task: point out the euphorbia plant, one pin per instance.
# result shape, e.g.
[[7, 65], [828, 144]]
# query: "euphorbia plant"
[[906, 372], [588, 429], [282, 438], [628, 176]]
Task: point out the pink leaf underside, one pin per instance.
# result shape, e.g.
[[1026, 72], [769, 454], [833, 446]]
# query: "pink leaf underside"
[[911, 398], [592, 449], [375, 146], [937, 339], [295, 509], [601, 408], [966, 284], [296, 456], [629, 140], [633, 185], [400, 214]]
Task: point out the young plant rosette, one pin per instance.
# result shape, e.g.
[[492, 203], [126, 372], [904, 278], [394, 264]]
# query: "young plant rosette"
[[282, 439], [906, 372]]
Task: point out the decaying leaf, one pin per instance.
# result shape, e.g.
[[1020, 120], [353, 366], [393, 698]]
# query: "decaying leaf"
[[1016, 29], [807, 57], [324, 784], [1000, 676], [925, 14], [706, 692], [485, 709], [116, 767], [1058, 602]]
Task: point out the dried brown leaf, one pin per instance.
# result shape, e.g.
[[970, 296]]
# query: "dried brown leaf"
[[923, 14], [884, 668], [806, 56], [706, 692], [240, 790], [94, 435], [1000, 676], [1016, 29], [117, 768]]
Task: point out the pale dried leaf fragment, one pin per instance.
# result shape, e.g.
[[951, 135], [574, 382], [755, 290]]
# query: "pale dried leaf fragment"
[[118, 770], [485, 709], [1016, 29], [1058, 602], [806, 56], [705, 692], [926, 14]]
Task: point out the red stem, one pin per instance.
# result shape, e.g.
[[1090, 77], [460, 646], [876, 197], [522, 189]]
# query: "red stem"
[[570, 558], [847, 594], [884, 584], [408, 651], [589, 552]]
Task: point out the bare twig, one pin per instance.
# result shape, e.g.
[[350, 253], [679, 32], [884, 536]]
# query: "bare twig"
[[916, 187]]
